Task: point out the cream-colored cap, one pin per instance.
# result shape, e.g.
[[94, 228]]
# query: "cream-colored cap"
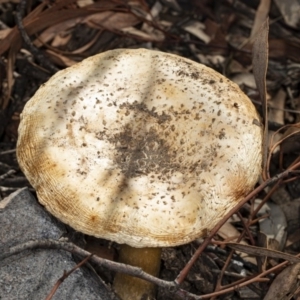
[[140, 147]]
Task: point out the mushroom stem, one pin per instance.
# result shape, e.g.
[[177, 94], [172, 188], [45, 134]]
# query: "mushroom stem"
[[132, 288]]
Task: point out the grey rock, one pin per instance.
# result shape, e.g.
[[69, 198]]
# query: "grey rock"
[[32, 273]]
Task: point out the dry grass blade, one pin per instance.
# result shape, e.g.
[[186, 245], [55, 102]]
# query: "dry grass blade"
[[258, 251], [260, 64]]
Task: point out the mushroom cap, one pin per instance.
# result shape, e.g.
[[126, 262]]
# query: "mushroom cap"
[[140, 147]]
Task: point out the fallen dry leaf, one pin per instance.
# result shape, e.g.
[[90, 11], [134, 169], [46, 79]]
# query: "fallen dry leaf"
[[229, 232], [259, 251], [285, 284], [290, 11], [260, 64], [4, 33], [59, 59], [197, 29], [261, 15], [276, 105], [246, 79], [154, 36], [111, 20]]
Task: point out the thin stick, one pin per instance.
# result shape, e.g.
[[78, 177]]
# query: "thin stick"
[[70, 247], [66, 275], [8, 152]]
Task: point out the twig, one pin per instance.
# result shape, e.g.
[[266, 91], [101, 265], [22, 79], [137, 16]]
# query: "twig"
[[8, 189], [219, 286], [70, 247], [7, 174], [246, 228], [66, 274], [7, 152], [35, 51]]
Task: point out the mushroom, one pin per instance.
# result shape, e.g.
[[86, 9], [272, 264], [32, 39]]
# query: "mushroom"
[[140, 147]]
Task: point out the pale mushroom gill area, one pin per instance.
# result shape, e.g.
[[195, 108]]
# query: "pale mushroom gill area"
[[140, 144]]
